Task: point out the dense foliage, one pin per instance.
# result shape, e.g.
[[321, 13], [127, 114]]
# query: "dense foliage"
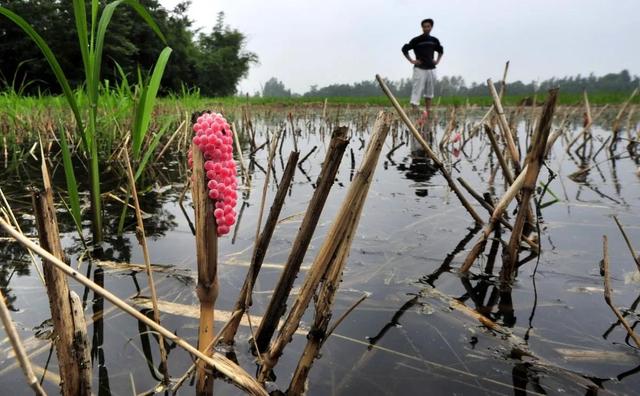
[[212, 61]]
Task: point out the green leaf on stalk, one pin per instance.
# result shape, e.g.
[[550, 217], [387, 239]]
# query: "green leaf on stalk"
[[144, 109], [152, 147]]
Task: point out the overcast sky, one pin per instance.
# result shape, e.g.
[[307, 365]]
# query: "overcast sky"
[[306, 42]]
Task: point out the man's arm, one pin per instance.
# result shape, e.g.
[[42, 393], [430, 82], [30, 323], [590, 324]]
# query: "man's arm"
[[440, 51], [405, 51]]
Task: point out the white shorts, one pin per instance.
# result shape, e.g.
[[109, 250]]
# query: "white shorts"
[[423, 81]]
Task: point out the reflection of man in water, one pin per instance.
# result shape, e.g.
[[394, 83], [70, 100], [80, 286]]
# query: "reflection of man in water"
[[419, 170]]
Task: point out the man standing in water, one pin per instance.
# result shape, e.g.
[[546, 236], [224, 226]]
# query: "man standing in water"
[[424, 74]]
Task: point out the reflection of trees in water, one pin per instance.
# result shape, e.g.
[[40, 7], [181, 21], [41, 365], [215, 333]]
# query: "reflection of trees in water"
[[14, 262], [14, 259]]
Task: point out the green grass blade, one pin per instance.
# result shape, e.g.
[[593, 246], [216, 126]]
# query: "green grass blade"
[[70, 177], [80, 14], [53, 63], [152, 147], [147, 101]]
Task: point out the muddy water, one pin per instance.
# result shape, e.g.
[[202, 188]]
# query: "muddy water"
[[413, 236]]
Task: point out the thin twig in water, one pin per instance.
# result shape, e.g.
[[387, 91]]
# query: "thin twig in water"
[[635, 256]]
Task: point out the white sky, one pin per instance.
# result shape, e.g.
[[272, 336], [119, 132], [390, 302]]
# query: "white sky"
[[306, 42]]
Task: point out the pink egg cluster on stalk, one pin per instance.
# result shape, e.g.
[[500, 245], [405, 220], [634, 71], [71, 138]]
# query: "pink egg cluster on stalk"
[[215, 140]]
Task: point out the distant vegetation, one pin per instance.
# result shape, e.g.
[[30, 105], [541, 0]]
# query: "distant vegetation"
[[212, 62], [455, 86]]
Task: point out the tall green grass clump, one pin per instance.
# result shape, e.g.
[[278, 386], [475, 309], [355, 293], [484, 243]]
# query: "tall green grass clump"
[[91, 36]]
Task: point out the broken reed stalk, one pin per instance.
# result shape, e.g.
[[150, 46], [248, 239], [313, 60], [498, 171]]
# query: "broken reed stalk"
[[209, 350], [636, 257], [336, 236], [496, 149], [607, 291], [265, 186], [534, 160], [587, 126], [425, 146], [238, 376], [244, 299], [326, 296], [173, 136], [500, 207], [477, 127], [243, 168], [562, 128], [503, 83], [490, 209], [18, 348], [504, 128], [207, 258], [498, 211], [142, 240], [71, 370], [277, 304], [616, 121]]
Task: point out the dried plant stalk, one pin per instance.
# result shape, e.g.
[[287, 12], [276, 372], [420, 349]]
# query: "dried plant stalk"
[[58, 292], [207, 257], [504, 127], [235, 373], [325, 181], [534, 161], [244, 299], [330, 248]]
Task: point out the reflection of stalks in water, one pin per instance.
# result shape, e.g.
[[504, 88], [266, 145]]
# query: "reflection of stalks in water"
[[446, 264], [18, 348], [607, 292]]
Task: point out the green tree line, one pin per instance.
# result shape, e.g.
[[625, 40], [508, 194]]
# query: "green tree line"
[[213, 62], [456, 86]]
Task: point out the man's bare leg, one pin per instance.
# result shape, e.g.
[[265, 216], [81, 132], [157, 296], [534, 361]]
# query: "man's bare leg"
[[427, 106]]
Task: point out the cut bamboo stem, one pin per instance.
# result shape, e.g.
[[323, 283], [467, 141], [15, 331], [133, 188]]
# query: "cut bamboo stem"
[[337, 234], [534, 160], [235, 373], [244, 299], [207, 258], [277, 305], [607, 291], [58, 292], [425, 146], [142, 240]]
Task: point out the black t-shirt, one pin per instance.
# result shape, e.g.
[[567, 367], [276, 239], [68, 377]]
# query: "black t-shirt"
[[423, 47]]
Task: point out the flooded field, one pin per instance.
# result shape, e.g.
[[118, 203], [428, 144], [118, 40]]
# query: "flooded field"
[[413, 236]]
